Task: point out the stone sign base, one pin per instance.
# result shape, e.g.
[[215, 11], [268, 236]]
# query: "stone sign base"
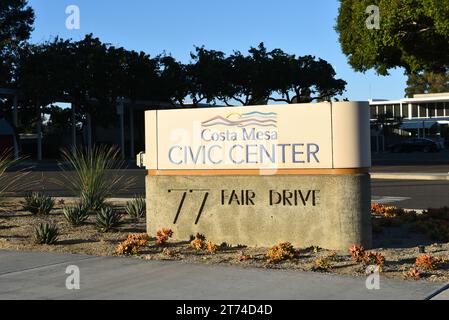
[[329, 211]]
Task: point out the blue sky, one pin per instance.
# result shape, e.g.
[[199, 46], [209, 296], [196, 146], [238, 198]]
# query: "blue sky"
[[175, 26]]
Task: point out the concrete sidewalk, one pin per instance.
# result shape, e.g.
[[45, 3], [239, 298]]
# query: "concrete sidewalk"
[[33, 275]]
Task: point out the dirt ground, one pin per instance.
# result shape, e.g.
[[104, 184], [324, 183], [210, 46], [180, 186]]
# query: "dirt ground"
[[397, 243]]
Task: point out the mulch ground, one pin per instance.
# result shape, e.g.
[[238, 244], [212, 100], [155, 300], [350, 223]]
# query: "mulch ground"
[[396, 242]]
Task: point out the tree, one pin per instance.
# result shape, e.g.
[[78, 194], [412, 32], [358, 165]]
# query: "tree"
[[175, 84], [260, 76], [141, 76], [413, 34], [427, 82], [249, 76], [42, 76], [304, 79], [207, 76], [16, 21]]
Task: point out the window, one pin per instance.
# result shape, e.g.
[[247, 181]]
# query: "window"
[[440, 109], [431, 110], [447, 108], [389, 111], [423, 110], [405, 111], [381, 110], [397, 110], [373, 112], [415, 111]]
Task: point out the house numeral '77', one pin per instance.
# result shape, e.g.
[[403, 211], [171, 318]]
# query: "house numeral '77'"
[[183, 199]]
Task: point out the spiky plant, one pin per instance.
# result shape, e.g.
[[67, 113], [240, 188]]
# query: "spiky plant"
[[94, 174], [76, 215], [108, 219], [136, 208], [38, 203], [46, 233], [9, 183]]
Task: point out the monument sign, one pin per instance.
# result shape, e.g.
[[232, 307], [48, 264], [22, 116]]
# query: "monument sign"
[[261, 175]]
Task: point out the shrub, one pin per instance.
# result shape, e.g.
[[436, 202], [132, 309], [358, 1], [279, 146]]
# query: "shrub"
[[136, 208], [76, 215], [374, 258], [163, 235], [281, 252], [357, 253], [434, 223], [386, 211], [132, 244], [428, 262], [108, 219], [139, 236], [414, 273], [322, 264], [197, 244], [200, 243], [46, 233], [94, 180], [11, 183], [38, 203], [210, 247]]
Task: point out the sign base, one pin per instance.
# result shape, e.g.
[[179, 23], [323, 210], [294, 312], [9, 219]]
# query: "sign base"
[[329, 211]]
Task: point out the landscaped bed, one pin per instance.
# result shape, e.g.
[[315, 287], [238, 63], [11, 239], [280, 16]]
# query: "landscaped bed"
[[399, 238]]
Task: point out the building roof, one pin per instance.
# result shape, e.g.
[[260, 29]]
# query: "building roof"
[[417, 98]]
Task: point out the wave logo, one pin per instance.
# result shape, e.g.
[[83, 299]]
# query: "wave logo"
[[250, 119]]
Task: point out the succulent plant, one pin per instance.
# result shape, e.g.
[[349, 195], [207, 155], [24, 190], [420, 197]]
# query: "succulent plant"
[[132, 244], [38, 203], [76, 215], [163, 235], [323, 264], [281, 252], [98, 173], [108, 219], [46, 233], [136, 208], [357, 253], [428, 262]]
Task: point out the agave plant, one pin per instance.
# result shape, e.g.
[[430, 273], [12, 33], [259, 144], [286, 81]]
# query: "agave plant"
[[97, 174], [76, 215], [108, 219], [136, 208], [46, 233], [38, 203], [10, 183]]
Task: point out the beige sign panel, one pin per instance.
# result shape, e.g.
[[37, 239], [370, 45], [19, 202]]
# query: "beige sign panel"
[[297, 136]]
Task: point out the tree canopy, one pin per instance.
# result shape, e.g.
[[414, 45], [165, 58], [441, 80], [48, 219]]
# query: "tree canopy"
[[16, 24], [94, 75], [413, 34], [260, 76], [427, 82]]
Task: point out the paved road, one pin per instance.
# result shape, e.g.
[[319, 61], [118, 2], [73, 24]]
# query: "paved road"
[[42, 276], [404, 193], [414, 158], [411, 194]]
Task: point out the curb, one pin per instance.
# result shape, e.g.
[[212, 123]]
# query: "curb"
[[437, 293], [411, 176]]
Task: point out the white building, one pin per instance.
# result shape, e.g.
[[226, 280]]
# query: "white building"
[[423, 116], [420, 114]]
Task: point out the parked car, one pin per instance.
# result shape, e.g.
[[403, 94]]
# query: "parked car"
[[415, 144]]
